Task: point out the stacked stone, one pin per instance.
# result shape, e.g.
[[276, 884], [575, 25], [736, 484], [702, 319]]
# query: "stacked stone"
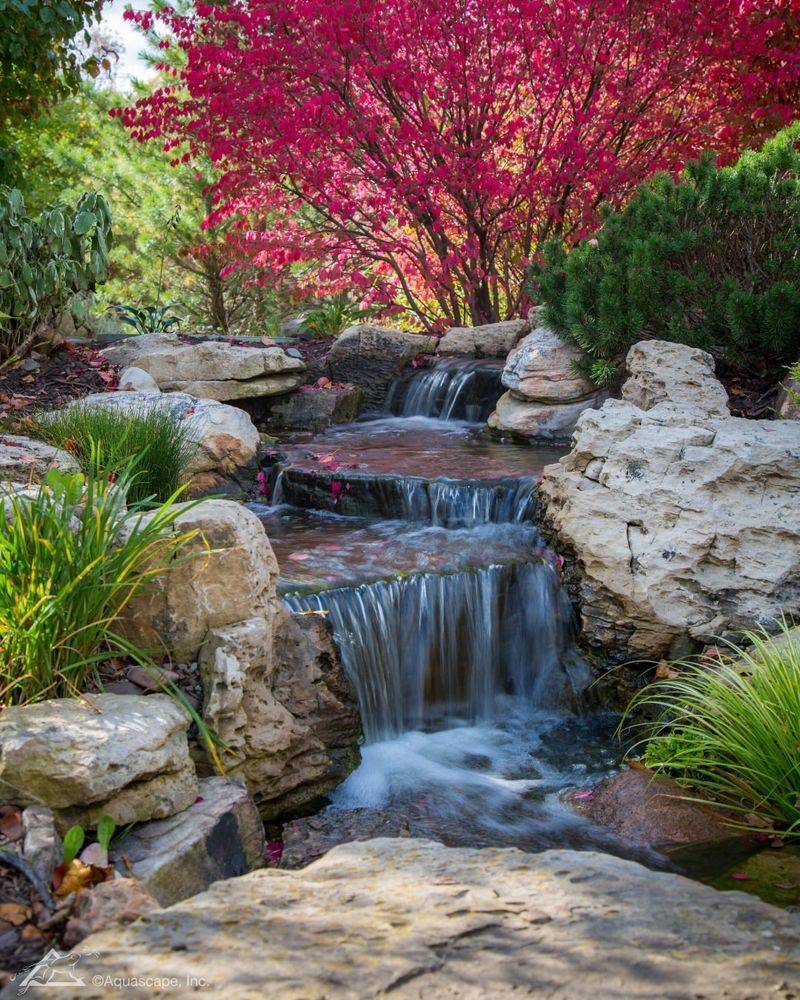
[[545, 395]]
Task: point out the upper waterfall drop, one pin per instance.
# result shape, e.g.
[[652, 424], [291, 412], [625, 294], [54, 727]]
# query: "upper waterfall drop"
[[452, 389]]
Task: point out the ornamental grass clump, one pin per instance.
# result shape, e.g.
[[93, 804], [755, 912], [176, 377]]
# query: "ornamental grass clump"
[[729, 730], [71, 558], [152, 444]]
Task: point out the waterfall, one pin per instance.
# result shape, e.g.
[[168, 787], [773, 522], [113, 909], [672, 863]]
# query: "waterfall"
[[428, 645], [446, 503], [451, 390]]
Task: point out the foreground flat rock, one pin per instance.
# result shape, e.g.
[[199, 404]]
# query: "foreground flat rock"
[[128, 757], [417, 919]]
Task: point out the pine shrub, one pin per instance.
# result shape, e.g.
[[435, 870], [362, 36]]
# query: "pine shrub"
[[711, 260]]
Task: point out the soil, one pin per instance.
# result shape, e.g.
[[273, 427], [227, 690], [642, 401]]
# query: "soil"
[[47, 381], [751, 393]]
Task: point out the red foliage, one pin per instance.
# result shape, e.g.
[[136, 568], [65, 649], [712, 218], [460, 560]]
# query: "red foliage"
[[421, 150]]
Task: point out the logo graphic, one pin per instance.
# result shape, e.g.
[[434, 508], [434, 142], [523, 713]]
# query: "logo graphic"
[[56, 968]]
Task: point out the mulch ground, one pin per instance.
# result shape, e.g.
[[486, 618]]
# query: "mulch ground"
[[47, 381], [751, 394]]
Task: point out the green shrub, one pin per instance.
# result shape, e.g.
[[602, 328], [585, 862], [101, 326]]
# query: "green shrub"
[[148, 319], [46, 263], [729, 730], [329, 318], [152, 444], [71, 558], [712, 261]]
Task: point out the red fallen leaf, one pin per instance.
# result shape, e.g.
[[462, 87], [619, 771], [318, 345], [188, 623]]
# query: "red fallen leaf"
[[587, 793], [322, 383], [199, 799], [11, 825], [274, 851], [108, 377], [741, 876], [190, 410]]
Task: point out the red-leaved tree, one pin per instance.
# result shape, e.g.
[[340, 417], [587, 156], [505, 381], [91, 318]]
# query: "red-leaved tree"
[[420, 151]]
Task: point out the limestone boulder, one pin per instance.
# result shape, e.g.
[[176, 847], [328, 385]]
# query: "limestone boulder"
[[210, 369], [493, 340], [315, 408], [541, 368], [683, 521], [553, 422], [413, 918], [218, 837], [370, 356], [226, 437], [662, 372], [135, 379], [277, 696], [226, 575], [26, 460], [82, 758]]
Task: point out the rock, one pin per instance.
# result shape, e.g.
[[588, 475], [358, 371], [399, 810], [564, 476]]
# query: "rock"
[[294, 353], [226, 436], [370, 356], [221, 835], [315, 409], [305, 840], [127, 757], [494, 340], [787, 405], [540, 421], [127, 351], [683, 521], [417, 919], [41, 845], [277, 696], [26, 460], [136, 380], [651, 810], [211, 369], [229, 577], [541, 368], [253, 388], [660, 371], [110, 904]]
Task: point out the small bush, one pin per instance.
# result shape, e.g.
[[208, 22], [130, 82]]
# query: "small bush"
[[712, 261], [71, 558], [46, 263], [730, 730], [153, 445]]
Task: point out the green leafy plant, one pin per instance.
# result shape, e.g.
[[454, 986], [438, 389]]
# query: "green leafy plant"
[[710, 260], [148, 319], [105, 831], [329, 318], [48, 264], [73, 842], [103, 441], [71, 558], [729, 730]]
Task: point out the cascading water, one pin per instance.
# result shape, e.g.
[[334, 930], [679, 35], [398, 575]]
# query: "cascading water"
[[451, 390], [428, 645]]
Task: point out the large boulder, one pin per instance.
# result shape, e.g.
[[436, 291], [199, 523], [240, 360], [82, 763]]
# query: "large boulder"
[[82, 758], [210, 369], [134, 379], [226, 574], [413, 918], [370, 356], [26, 460], [545, 394], [684, 521], [219, 836], [226, 437], [277, 696], [494, 340]]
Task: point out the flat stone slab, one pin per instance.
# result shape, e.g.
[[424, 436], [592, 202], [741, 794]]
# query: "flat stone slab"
[[26, 460], [417, 919]]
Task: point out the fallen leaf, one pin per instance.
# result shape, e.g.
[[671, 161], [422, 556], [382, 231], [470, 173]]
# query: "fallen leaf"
[[299, 556], [664, 671], [741, 876], [15, 913], [11, 825]]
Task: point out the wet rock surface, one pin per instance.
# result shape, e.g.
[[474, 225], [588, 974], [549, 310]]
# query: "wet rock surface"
[[314, 408], [419, 919], [370, 356]]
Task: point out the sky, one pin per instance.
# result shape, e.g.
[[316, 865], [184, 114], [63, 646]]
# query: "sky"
[[129, 64]]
